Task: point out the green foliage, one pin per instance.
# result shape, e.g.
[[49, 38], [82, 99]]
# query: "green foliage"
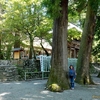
[[92, 69], [94, 6], [21, 73], [96, 43], [28, 17], [74, 16], [7, 43], [53, 7], [72, 12], [81, 4], [22, 16], [74, 34]]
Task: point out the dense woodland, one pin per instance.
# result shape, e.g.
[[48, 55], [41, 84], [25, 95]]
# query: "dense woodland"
[[23, 20]]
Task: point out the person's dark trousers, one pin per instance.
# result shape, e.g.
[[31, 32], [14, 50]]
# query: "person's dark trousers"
[[72, 82]]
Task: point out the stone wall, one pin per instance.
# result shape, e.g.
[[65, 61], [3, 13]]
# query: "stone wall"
[[13, 70], [8, 72]]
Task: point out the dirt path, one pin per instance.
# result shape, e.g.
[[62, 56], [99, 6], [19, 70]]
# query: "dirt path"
[[34, 90]]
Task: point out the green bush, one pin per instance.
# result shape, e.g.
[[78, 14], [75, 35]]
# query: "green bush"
[[21, 73]]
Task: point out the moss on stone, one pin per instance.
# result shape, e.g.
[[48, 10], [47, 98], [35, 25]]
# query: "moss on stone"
[[55, 88]]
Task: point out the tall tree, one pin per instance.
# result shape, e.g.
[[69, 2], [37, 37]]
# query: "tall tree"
[[59, 10], [1, 21], [83, 75], [21, 17], [26, 17]]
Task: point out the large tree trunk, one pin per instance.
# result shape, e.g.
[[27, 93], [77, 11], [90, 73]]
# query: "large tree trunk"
[[59, 50], [31, 52], [83, 75]]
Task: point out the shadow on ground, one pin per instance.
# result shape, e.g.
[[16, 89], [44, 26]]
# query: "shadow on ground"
[[35, 90]]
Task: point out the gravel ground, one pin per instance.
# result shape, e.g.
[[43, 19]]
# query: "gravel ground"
[[35, 90]]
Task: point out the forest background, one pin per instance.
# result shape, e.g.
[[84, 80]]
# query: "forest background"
[[47, 19]]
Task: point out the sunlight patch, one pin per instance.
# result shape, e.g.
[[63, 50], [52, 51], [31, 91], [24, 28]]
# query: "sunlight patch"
[[36, 96], [36, 83], [44, 92], [17, 83], [5, 93], [49, 96], [92, 88]]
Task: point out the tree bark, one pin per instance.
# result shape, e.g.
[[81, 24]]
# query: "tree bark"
[[83, 74], [44, 49], [1, 55], [59, 50], [31, 52]]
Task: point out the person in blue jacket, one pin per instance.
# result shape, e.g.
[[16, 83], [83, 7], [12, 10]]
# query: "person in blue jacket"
[[71, 76]]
